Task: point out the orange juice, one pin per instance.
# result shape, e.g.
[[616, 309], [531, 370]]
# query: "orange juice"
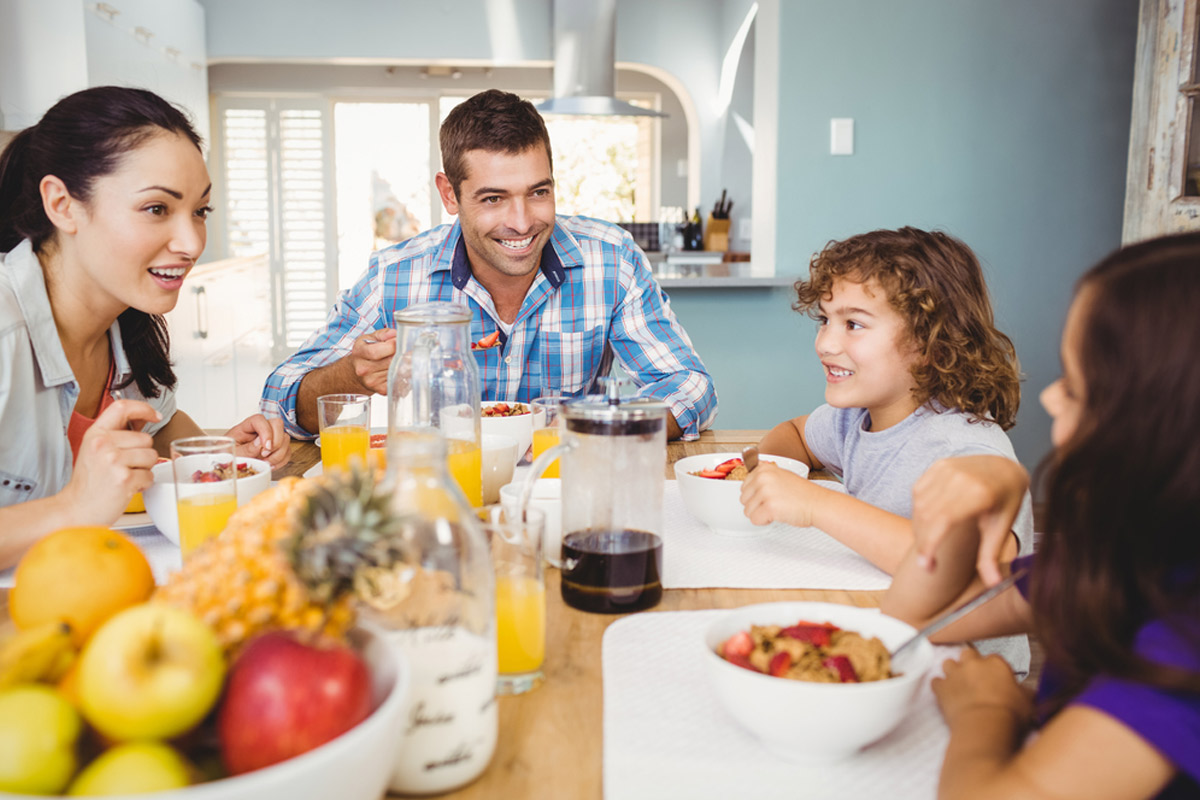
[[341, 443], [202, 517], [520, 623], [543, 440], [464, 460]]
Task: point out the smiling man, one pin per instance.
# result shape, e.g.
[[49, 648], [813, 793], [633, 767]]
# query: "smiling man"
[[559, 299]]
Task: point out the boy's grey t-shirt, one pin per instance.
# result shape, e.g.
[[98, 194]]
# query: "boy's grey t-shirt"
[[880, 468]]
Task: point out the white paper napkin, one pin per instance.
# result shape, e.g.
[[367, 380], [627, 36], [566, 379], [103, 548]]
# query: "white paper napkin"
[[783, 557], [160, 551], [667, 735]]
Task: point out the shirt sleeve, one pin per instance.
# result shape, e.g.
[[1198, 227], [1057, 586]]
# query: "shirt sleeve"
[[357, 310], [822, 437], [653, 348]]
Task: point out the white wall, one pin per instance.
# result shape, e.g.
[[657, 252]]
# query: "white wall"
[[51, 48]]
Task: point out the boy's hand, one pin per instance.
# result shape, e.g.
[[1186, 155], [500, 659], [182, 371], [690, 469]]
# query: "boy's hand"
[[974, 491], [262, 438], [974, 682], [773, 494]]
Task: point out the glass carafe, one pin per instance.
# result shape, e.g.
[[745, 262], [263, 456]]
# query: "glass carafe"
[[614, 457], [438, 609], [433, 382]]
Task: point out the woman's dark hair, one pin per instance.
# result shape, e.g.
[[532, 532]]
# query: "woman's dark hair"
[[81, 138], [492, 121], [935, 283], [1122, 543]]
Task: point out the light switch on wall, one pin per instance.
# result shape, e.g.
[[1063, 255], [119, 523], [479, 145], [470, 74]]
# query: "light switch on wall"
[[841, 136]]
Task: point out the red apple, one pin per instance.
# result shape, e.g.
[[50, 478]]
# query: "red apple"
[[285, 697]]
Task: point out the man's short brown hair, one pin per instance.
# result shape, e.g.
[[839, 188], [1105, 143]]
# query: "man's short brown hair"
[[493, 121]]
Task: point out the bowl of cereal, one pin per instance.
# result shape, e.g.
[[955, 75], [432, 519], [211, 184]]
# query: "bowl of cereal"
[[500, 418], [712, 483], [253, 477], [813, 682]]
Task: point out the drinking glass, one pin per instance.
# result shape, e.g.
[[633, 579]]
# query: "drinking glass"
[[345, 421], [546, 411], [205, 493], [516, 544]]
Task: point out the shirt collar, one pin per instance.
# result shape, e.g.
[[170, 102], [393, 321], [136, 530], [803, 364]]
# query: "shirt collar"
[[561, 253]]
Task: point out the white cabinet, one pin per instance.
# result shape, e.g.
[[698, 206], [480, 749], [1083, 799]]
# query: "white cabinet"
[[221, 340]]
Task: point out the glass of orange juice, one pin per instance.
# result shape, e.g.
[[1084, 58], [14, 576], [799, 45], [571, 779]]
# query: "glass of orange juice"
[[464, 460], [345, 421], [516, 544], [546, 413], [205, 487]]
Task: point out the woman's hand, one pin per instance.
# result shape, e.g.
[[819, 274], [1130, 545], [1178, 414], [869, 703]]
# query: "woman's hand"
[[976, 682], [773, 494], [983, 492], [114, 463], [259, 437]]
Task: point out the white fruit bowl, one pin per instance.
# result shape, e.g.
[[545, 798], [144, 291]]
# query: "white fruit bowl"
[[520, 427], [355, 766], [160, 497], [814, 722], [715, 502]]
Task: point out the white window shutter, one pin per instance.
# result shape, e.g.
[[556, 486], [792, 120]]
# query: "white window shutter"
[[278, 199]]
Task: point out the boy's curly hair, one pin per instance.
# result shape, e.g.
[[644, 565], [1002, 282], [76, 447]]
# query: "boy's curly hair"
[[934, 281]]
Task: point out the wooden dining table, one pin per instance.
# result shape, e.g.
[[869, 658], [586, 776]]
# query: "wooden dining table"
[[551, 740]]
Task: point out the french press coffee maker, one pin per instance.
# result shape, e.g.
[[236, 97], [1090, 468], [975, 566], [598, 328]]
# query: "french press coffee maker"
[[614, 456]]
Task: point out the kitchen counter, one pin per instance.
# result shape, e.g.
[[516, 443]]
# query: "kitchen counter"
[[705, 270]]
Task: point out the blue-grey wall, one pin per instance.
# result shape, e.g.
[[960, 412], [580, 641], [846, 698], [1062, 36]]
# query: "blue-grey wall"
[[1005, 124]]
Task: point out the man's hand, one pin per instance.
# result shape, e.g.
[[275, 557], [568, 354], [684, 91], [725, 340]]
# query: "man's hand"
[[969, 491], [114, 462], [364, 370]]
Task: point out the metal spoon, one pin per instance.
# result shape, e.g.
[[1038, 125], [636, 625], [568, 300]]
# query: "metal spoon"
[[966, 608], [750, 457]]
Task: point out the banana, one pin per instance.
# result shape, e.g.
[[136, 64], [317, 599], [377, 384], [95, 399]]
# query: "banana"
[[43, 653]]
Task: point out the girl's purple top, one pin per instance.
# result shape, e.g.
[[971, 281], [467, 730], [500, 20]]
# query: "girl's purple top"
[[1169, 721]]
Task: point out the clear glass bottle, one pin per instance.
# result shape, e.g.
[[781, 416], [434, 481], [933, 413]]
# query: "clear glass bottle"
[[438, 609], [433, 382]]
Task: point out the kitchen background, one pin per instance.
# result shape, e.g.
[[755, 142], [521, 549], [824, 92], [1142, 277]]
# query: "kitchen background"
[[1006, 124]]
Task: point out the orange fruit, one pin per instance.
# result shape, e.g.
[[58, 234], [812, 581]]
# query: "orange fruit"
[[81, 576]]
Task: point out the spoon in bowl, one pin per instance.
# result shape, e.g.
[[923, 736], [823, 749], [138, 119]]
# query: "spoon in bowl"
[[750, 457]]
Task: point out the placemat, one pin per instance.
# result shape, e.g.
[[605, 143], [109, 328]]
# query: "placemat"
[[666, 734], [783, 557], [161, 552]]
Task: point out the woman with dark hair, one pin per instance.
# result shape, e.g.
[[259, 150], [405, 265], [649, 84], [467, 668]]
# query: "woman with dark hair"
[[1113, 592], [102, 216]]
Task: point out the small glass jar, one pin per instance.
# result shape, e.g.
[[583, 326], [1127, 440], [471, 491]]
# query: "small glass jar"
[[438, 609]]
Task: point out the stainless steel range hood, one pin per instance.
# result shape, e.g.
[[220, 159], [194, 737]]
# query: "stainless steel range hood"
[[585, 33]]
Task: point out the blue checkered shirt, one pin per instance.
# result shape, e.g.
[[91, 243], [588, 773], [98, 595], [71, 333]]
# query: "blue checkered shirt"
[[593, 300]]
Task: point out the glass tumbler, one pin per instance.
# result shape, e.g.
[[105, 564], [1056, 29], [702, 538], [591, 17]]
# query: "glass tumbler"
[[547, 412], [516, 544], [205, 470], [345, 421]]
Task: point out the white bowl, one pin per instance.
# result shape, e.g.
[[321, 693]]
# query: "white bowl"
[[499, 461], [547, 497], [355, 766], [160, 497], [815, 722], [519, 427], [716, 503]]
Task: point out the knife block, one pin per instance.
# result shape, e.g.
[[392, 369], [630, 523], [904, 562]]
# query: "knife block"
[[716, 234]]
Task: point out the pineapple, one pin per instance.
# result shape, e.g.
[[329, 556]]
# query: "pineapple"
[[292, 559]]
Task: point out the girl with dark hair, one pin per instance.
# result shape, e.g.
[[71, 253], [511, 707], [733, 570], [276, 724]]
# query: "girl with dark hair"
[[102, 216], [1113, 592]]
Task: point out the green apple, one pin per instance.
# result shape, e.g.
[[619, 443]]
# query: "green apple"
[[38, 732], [150, 672], [133, 768]]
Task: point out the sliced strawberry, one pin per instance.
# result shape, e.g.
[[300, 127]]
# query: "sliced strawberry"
[[843, 667], [491, 340], [816, 635], [781, 662], [726, 467], [739, 644], [711, 473], [743, 662]]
